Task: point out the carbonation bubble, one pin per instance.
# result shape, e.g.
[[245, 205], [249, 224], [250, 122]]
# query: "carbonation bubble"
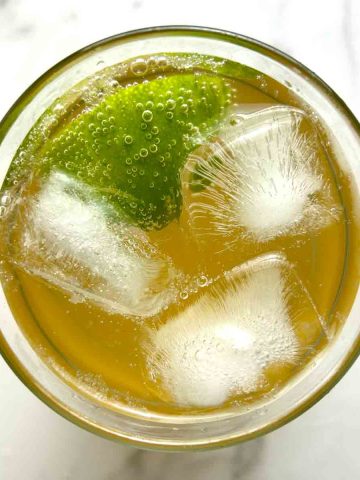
[[162, 62], [147, 115], [153, 148], [139, 67], [143, 152], [202, 281], [128, 139], [5, 199], [170, 104], [184, 295]]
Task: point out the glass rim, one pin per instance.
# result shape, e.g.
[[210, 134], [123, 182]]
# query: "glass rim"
[[5, 124]]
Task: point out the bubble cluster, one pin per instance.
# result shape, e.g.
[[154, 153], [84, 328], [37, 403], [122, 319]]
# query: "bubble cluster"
[[140, 67], [93, 148]]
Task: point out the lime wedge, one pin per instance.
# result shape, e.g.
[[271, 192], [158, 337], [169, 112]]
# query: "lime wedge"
[[132, 145]]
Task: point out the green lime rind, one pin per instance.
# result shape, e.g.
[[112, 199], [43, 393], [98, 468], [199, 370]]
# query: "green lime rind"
[[206, 63], [131, 147]]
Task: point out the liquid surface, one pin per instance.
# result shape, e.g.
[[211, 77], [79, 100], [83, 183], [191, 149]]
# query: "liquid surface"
[[173, 237]]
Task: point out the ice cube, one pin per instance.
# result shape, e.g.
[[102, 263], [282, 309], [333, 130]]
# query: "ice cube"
[[70, 237], [258, 316], [262, 176]]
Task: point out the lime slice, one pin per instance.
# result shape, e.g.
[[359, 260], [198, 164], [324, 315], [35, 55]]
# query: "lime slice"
[[132, 145]]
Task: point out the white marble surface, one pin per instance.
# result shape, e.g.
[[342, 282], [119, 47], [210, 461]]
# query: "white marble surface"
[[37, 444]]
